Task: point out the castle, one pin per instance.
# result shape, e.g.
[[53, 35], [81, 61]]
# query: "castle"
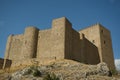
[[91, 45]]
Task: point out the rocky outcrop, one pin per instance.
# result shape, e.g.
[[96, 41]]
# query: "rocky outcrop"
[[64, 70]]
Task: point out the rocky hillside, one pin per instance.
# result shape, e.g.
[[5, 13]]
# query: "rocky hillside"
[[61, 70]]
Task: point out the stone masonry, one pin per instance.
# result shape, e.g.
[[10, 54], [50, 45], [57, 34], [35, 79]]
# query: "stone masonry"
[[91, 45]]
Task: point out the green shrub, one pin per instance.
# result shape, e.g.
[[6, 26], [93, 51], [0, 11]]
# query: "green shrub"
[[51, 77], [36, 73], [114, 72]]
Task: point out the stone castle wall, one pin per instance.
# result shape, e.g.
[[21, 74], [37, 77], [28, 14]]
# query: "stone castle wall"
[[91, 54], [44, 44], [61, 42], [14, 45]]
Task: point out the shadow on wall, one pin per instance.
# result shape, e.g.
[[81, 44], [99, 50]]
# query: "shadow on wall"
[[83, 51], [1, 63], [7, 63], [90, 52]]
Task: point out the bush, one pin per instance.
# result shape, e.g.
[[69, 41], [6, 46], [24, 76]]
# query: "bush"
[[114, 72], [51, 77], [36, 73]]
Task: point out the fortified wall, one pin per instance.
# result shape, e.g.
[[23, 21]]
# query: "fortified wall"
[[91, 45]]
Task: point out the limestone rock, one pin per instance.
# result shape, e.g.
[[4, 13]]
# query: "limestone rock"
[[103, 69], [65, 70]]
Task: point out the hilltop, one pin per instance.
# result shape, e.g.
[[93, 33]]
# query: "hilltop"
[[61, 70]]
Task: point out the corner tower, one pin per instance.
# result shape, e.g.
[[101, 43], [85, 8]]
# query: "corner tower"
[[106, 47], [29, 46], [100, 37]]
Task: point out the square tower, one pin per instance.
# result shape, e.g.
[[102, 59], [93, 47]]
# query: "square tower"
[[101, 38]]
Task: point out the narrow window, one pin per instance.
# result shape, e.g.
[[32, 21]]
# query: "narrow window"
[[93, 41], [101, 31], [104, 42]]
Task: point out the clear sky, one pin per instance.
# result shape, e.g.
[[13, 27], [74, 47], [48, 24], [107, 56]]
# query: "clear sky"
[[15, 15]]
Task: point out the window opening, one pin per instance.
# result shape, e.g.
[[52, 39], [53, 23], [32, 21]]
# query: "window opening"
[[104, 42], [93, 41], [102, 31]]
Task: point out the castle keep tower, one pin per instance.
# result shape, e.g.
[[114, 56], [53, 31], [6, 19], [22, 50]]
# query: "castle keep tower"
[[59, 29], [91, 45], [101, 38]]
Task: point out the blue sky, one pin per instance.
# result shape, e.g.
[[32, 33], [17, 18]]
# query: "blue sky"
[[15, 15]]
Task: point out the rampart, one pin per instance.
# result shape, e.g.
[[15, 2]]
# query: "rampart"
[[90, 45]]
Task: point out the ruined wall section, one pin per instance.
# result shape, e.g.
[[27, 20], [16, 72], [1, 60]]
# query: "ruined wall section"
[[106, 44], [44, 44]]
